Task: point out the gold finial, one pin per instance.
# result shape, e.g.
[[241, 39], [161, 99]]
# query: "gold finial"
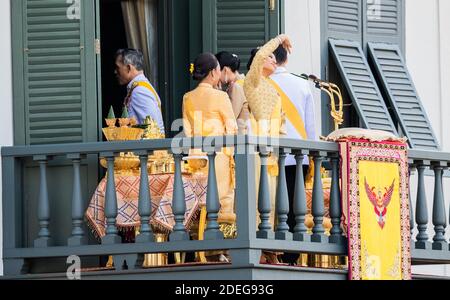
[[124, 120], [111, 118]]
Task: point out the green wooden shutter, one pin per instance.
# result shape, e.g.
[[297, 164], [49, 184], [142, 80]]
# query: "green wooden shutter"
[[361, 85], [55, 101], [342, 19], [58, 79], [339, 20], [396, 81], [383, 22], [238, 26]]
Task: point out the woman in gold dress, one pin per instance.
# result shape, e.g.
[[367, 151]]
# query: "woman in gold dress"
[[265, 107], [207, 111]]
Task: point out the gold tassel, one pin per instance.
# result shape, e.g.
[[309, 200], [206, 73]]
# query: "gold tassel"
[[232, 172]]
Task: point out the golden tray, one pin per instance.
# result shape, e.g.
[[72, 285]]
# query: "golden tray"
[[122, 133], [161, 163], [125, 162]]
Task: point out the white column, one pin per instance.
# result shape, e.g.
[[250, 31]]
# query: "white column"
[[302, 20], [428, 35], [422, 57], [6, 129], [444, 39]]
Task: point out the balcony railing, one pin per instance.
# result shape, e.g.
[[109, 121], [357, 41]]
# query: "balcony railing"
[[21, 256]]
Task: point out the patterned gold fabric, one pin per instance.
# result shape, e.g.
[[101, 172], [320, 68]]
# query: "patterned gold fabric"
[[262, 97], [267, 118]]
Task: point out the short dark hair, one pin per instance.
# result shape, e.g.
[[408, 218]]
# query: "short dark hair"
[[203, 64], [132, 57], [226, 59], [252, 57], [281, 55]]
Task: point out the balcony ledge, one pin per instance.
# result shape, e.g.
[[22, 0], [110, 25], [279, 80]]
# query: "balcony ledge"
[[205, 272]]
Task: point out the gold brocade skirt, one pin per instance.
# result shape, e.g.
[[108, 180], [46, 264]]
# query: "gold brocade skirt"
[[225, 176], [225, 184]]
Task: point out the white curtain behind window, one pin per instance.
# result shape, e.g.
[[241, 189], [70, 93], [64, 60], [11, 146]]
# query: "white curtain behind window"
[[140, 17]]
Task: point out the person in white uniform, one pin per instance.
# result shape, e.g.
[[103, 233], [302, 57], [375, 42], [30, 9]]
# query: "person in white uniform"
[[298, 104], [298, 92]]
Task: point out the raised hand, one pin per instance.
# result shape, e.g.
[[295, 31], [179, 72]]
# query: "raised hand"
[[286, 42]]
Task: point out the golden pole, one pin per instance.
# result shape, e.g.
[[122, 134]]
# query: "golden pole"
[[110, 263], [157, 259], [338, 115], [201, 232], [331, 89], [331, 95]]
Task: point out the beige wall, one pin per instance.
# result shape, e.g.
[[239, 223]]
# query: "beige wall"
[[444, 28], [427, 55], [428, 59], [6, 132]]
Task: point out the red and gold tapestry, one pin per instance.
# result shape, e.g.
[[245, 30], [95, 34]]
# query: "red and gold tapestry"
[[375, 203]]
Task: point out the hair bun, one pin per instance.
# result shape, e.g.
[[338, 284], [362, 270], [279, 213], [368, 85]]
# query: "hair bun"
[[203, 65], [230, 60], [199, 75]]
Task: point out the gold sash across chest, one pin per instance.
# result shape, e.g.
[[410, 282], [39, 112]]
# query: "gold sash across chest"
[[292, 113], [148, 86]]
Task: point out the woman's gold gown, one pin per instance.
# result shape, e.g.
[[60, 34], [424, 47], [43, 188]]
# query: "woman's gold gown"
[[208, 112], [267, 117]]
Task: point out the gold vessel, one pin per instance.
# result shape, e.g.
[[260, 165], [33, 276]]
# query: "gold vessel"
[[196, 163], [125, 131], [160, 162], [124, 164]]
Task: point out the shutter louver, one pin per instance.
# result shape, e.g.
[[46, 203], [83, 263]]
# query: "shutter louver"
[[396, 81], [343, 19], [344, 15], [386, 20], [241, 26], [361, 85], [383, 21], [54, 97]]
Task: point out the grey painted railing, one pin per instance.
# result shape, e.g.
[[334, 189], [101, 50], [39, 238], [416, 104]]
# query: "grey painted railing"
[[426, 249], [246, 248]]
